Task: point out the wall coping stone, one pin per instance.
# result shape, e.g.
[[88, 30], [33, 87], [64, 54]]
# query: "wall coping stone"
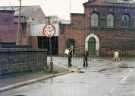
[[22, 50]]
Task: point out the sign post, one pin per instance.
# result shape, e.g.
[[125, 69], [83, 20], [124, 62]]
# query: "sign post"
[[49, 31]]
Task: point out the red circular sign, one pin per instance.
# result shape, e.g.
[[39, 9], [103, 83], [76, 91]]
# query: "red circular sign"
[[49, 30]]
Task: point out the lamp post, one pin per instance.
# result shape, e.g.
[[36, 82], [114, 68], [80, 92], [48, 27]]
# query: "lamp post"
[[49, 31], [18, 37]]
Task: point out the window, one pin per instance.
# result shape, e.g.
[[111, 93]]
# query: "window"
[[94, 20], [62, 27], [110, 21], [70, 43], [125, 21]]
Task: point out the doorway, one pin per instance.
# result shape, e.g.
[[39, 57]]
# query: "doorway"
[[92, 46], [43, 42]]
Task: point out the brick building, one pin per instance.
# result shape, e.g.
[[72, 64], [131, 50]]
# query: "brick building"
[[105, 26], [33, 20], [8, 28]]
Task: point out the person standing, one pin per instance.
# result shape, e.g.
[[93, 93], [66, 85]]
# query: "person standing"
[[85, 59], [116, 56], [70, 57]]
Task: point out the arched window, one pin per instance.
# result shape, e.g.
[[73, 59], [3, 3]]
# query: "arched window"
[[94, 20], [110, 21], [70, 43], [125, 21]]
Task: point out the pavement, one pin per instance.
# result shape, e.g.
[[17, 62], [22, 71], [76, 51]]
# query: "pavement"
[[8, 82]]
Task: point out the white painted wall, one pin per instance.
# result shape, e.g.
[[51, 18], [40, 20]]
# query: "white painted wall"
[[37, 27]]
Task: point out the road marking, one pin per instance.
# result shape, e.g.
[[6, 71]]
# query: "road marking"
[[125, 77]]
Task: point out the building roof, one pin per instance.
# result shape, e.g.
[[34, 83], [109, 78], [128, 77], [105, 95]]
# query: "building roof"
[[125, 3], [34, 12], [113, 1], [119, 1]]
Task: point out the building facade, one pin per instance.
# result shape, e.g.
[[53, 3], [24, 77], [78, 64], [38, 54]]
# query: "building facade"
[[42, 41], [8, 28], [104, 27], [35, 22], [30, 28]]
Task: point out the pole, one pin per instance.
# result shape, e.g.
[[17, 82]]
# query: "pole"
[[49, 31], [18, 41], [51, 59]]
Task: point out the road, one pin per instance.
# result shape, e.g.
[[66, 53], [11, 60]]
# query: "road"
[[103, 77]]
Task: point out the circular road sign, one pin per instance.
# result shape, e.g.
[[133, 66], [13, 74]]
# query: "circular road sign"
[[49, 30]]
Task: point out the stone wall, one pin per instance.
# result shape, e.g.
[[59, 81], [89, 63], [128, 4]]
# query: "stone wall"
[[22, 59]]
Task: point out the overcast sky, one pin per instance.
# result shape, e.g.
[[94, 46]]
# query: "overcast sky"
[[59, 8]]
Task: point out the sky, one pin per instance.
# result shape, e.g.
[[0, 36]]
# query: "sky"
[[60, 8]]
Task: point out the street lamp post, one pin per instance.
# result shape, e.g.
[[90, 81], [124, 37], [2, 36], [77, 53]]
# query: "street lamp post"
[[49, 31], [18, 41]]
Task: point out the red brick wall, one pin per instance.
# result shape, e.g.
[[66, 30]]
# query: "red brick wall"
[[7, 26], [117, 37], [34, 41], [110, 41], [75, 31]]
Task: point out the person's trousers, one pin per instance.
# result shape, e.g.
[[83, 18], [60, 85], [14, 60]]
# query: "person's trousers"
[[69, 62], [85, 63]]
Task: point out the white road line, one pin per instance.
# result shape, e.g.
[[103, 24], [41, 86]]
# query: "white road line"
[[125, 77]]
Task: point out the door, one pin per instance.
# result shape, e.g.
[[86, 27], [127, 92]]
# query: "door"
[[92, 47], [43, 42], [70, 43]]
